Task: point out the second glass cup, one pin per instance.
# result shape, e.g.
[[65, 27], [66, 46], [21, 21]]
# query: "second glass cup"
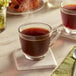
[[68, 14], [35, 39]]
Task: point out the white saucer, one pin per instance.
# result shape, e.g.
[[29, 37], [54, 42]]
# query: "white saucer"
[[24, 64], [67, 35], [64, 33]]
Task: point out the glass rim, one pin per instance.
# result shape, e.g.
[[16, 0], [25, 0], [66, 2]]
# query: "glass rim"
[[63, 3], [51, 30], [68, 11]]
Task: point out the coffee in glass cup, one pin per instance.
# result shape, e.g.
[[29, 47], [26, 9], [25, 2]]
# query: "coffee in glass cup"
[[68, 15], [35, 39]]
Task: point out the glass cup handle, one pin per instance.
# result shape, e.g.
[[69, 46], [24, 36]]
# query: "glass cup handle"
[[55, 34]]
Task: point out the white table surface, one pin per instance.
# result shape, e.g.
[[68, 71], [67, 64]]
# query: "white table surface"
[[60, 48]]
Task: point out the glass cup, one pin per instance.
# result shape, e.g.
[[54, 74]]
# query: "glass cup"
[[35, 39], [3, 5], [2, 18], [68, 15], [53, 3]]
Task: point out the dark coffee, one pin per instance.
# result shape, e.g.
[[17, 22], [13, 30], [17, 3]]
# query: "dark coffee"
[[68, 13], [38, 46]]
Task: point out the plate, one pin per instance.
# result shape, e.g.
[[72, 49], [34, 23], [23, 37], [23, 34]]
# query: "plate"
[[27, 12]]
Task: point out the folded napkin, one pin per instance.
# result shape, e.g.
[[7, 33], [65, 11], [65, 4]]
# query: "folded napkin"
[[66, 67]]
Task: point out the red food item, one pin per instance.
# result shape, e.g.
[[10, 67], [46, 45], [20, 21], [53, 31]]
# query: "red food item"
[[21, 1], [36, 4], [23, 5]]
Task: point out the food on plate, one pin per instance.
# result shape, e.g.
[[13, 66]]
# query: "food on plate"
[[23, 5]]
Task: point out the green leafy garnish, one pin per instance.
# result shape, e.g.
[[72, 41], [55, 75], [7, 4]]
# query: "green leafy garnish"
[[1, 22], [4, 3]]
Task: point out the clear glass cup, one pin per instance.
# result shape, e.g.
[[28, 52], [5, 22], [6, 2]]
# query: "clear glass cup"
[[3, 6], [68, 15], [2, 18], [53, 3], [35, 39]]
